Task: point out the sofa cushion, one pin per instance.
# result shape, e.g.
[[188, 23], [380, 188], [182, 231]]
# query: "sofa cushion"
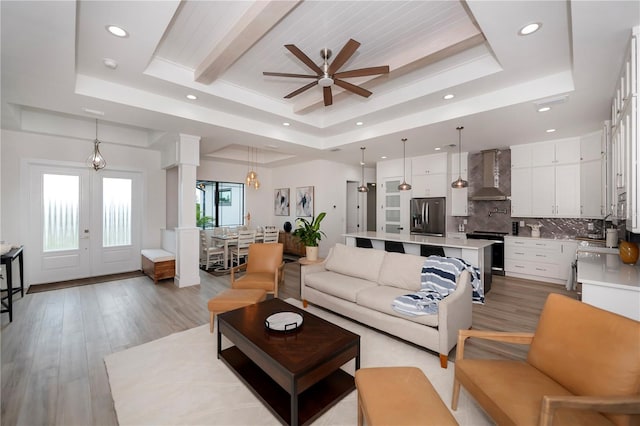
[[402, 271], [338, 285], [381, 297], [355, 262]]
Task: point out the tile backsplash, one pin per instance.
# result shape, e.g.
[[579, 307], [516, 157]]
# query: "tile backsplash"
[[496, 215]]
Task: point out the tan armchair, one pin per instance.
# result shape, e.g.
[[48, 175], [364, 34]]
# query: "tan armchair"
[[264, 268], [582, 368]]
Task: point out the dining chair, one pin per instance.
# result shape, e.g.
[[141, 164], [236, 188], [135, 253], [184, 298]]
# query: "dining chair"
[[209, 254], [270, 235], [241, 249]]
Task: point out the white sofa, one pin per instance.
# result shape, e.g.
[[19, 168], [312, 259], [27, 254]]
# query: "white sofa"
[[361, 284]]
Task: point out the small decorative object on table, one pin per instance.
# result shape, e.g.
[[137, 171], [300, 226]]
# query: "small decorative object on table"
[[283, 321], [628, 252], [287, 226]]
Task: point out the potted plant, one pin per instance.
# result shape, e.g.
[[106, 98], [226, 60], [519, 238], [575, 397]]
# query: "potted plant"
[[310, 233]]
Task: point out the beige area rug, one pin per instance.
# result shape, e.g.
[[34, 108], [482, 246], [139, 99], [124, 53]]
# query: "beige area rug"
[[178, 380]]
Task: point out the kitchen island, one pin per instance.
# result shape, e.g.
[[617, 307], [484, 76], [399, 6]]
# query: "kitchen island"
[[476, 252], [609, 284]]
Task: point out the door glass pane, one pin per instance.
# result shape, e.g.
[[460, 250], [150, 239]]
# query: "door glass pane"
[[116, 212], [61, 228]]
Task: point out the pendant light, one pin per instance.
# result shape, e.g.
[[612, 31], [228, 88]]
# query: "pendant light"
[[404, 186], [362, 187], [252, 176], [459, 183], [96, 161]]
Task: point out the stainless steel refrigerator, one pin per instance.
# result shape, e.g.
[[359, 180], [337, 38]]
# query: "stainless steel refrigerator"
[[428, 216]]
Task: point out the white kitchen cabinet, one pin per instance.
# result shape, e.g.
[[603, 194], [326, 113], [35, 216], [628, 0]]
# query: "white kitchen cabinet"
[[543, 196], [591, 202], [521, 192], [591, 176], [539, 259], [624, 139], [429, 176], [562, 151], [429, 164], [459, 196], [429, 185], [520, 156]]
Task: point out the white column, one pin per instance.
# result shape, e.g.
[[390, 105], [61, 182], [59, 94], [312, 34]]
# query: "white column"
[[187, 234]]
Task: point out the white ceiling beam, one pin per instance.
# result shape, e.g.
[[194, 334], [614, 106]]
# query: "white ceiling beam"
[[251, 27]]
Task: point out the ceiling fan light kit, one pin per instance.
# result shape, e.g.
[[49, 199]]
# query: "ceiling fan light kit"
[[326, 76]]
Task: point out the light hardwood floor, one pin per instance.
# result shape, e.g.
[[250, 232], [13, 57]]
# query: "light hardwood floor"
[[52, 354]]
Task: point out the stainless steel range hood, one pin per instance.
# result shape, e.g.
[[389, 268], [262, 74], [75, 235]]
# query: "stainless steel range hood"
[[491, 176]]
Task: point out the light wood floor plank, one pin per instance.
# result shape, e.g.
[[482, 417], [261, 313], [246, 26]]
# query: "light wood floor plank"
[[53, 353]]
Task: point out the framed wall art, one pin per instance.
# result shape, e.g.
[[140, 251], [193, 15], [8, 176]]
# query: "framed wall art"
[[304, 201], [281, 202]]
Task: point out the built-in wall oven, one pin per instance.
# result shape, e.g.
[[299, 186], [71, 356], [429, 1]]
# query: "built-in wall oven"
[[497, 248]]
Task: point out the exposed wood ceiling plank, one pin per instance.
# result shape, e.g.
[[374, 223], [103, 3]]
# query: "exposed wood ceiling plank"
[[251, 27]]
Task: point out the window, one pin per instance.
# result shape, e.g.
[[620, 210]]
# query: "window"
[[61, 225], [219, 204], [116, 212]]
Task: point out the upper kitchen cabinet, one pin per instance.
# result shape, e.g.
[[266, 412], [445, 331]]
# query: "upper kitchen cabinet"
[[550, 186], [592, 198], [562, 151], [459, 196], [624, 138], [429, 176]]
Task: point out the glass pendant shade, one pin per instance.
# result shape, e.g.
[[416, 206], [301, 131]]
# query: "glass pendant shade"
[[252, 177], [96, 161], [362, 187], [459, 183], [404, 186]]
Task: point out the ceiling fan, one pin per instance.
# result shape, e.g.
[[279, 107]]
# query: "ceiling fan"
[[326, 76]]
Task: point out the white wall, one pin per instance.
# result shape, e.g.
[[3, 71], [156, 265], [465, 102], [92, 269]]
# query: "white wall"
[[19, 147], [329, 180]]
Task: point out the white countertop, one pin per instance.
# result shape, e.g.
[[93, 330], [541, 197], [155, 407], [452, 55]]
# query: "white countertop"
[[422, 239], [607, 270]]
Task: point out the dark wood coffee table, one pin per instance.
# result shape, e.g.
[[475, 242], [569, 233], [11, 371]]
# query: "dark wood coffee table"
[[296, 374]]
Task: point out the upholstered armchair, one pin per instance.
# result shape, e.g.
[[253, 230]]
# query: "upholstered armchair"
[[582, 368], [263, 268]]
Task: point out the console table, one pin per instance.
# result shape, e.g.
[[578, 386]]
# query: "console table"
[[7, 260]]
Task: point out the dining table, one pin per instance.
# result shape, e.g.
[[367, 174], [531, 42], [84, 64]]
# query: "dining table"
[[226, 241]]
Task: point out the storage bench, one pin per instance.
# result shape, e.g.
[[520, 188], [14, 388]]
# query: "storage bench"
[[158, 264]]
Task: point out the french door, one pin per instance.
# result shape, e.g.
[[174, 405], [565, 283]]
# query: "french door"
[[83, 223]]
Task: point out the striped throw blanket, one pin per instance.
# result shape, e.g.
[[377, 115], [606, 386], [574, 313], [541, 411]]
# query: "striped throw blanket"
[[438, 280]]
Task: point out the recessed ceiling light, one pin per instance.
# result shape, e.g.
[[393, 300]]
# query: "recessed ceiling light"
[[544, 109], [437, 148], [383, 157], [93, 111], [110, 63], [192, 97], [286, 124], [359, 123], [449, 96], [550, 130], [530, 28], [117, 31]]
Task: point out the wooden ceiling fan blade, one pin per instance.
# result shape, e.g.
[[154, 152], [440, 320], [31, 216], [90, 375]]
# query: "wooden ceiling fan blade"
[[362, 72], [304, 58], [284, 74], [347, 51], [352, 88], [300, 90], [328, 96]]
